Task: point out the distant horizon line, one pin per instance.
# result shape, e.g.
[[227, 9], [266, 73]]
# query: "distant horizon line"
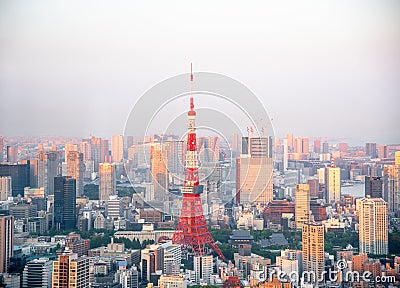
[[329, 139]]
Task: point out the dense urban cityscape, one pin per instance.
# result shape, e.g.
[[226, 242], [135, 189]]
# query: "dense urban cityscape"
[[166, 211], [271, 162]]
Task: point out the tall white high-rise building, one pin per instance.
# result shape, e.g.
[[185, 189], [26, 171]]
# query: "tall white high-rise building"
[[5, 187], [172, 259], [117, 148], [373, 226], [114, 207], [6, 242], [203, 267], [332, 184], [107, 181]]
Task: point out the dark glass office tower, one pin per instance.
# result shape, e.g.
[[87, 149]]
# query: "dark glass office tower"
[[64, 203], [373, 187], [20, 174]]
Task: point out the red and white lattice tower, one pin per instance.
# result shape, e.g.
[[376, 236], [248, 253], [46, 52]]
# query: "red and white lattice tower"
[[192, 232]]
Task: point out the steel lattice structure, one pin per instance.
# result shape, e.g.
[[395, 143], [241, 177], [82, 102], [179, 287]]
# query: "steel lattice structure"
[[192, 232]]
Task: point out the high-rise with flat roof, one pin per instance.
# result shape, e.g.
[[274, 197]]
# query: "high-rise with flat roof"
[[159, 171], [373, 187], [70, 271], [75, 169], [20, 176], [1, 148], [254, 170], [47, 169], [107, 181], [370, 150], [12, 154], [391, 188], [64, 203], [6, 241], [5, 187], [37, 273], [373, 226], [117, 148], [203, 268], [332, 184], [96, 152], [313, 250], [302, 204]]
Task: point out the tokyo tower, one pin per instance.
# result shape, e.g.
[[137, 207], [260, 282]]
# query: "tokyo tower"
[[192, 232]]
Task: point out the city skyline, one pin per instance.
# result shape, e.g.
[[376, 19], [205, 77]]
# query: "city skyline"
[[199, 145]]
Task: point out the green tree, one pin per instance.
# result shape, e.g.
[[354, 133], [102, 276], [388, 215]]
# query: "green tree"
[[92, 191]]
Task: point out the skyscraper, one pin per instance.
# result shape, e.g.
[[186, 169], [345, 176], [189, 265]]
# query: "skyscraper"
[[96, 152], [159, 171], [258, 146], [203, 267], [107, 181], [317, 146], [254, 180], [69, 147], [47, 169], [302, 205], [332, 184], [301, 145], [105, 151], [6, 241], [19, 173], [370, 149], [254, 171], [86, 149], [75, 169], [373, 187], [373, 226], [12, 154], [117, 148], [313, 250], [290, 142], [391, 188], [64, 203], [397, 158], [1, 148], [70, 271], [172, 259], [37, 273], [5, 187], [325, 147]]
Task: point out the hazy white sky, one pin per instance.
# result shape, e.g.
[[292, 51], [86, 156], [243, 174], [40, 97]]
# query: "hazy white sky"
[[321, 68]]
